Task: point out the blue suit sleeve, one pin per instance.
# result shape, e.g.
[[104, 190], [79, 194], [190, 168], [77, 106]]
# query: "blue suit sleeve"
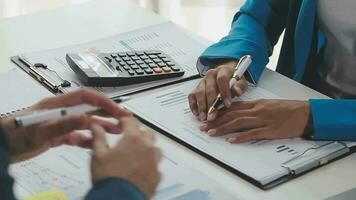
[[255, 30], [115, 188], [334, 119], [6, 182]]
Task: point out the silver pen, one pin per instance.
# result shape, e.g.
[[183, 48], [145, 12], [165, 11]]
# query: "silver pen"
[[240, 69]]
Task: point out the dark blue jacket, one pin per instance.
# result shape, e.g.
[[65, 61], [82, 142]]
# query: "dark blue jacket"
[[255, 30], [110, 188]]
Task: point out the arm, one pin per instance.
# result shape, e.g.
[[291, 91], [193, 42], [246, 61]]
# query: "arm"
[[6, 182], [255, 30], [115, 188], [334, 119]]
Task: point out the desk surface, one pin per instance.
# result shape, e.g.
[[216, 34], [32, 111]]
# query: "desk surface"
[[73, 25]]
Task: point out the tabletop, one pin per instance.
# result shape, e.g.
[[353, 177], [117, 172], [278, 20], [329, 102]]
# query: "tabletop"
[[99, 19]]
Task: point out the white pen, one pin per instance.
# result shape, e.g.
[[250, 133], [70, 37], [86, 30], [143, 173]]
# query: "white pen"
[[240, 70], [52, 114]]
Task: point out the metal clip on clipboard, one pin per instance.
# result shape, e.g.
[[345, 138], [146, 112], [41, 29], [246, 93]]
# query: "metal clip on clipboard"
[[35, 73], [321, 155]]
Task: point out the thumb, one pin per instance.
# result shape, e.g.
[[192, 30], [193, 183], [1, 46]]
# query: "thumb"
[[99, 143], [239, 88]]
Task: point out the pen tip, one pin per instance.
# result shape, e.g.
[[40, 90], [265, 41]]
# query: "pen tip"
[[211, 110]]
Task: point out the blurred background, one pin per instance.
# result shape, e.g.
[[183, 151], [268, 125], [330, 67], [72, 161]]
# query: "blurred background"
[[209, 18]]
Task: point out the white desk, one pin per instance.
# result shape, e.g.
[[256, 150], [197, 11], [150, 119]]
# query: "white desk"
[[102, 18]]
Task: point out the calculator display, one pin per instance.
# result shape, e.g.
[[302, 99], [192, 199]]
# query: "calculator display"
[[93, 62]]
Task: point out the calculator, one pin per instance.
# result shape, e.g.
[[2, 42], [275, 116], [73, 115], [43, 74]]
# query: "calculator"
[[123, 68]]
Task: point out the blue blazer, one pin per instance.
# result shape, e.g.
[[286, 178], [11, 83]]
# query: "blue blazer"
[[255, 30]]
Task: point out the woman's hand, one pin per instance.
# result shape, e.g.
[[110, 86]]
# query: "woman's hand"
[[26, 142], [215, 81], [261, 119]]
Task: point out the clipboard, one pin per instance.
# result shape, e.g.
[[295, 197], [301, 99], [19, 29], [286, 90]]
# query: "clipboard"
[[36, 75], [264, 163], [294, 172]]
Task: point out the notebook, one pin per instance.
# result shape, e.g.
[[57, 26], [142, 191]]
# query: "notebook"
[[18, 92]]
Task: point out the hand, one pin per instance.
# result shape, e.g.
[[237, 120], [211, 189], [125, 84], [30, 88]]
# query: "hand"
[[215, 81], [134, 158], [261, 119], [27, 142]]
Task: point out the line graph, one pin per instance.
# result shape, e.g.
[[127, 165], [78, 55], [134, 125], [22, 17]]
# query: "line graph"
[[67, 174]]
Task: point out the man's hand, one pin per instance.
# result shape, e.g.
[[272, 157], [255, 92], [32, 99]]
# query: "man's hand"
[[215, 81], [30, 141], [261, 119], [134, 158]]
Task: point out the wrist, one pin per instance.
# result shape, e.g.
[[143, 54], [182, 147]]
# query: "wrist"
[[9, 132], [109, 187], [309, 127], [16, 143], [231, 63]]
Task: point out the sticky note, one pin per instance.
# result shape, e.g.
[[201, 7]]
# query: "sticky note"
[[52, 194]]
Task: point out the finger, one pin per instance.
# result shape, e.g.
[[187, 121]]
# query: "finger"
[[239, 88], [193, 104], [223, 78], [150, 136], [100, 144], [239, 105], [62, 126], [130, 125], [109, 126], [237, 125], [157, 154], [212, 116], [226, 118], [75, 139], [131, 134], [84, 96], [211, 88], [254, 134], [201, 100]]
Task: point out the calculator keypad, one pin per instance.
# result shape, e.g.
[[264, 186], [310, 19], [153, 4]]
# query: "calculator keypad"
[[142, 63]]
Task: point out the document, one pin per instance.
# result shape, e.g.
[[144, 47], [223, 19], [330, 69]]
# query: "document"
[[66, 170], [18, 91], [182, 46], [262, 160]]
